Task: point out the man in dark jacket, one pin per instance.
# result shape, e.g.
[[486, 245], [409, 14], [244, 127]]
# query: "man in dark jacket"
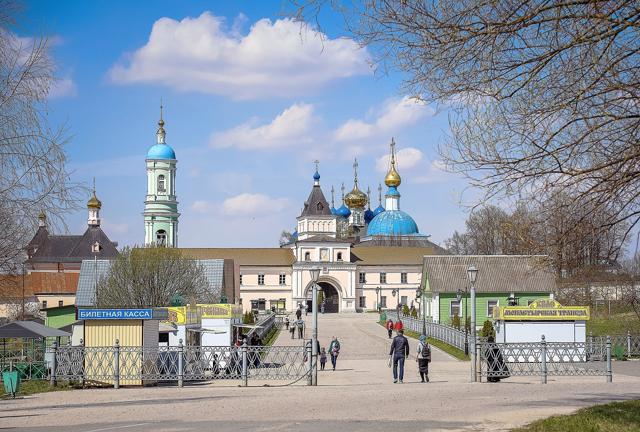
[[398, 353]]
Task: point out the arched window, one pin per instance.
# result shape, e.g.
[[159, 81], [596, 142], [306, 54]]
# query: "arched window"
[[161, 237], [339, 256], [319, 206], [307, 256], [161, 184]]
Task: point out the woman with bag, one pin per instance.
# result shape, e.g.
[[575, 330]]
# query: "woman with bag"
[[423, 358]]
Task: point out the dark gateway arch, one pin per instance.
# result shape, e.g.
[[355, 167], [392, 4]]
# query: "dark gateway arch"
[[331, 298]]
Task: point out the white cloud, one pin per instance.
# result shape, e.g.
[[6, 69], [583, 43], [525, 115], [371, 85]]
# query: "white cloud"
[[64, 87], [394, 115], [291, 127], [248, 204], [407, 158], [434, 172], [202, 206], [279, 58]]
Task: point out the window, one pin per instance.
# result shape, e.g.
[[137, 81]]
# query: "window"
[[403, 300], [240, 278], [283, 279], [363, 302], [60, 303], [44, 304], [339, 256], [163, 338], [96, 247], [454, 308], [491, 304], [383, 301], [319, 206], [261, 279], [383, 278], [362, 277], [161, 184], [161, 237], [307, 256], [403, 278]]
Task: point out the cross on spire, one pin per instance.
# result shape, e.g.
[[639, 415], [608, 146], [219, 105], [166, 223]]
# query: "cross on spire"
[[355, 172], [342, 189], [393, 152], [368, 196], [332, 195]]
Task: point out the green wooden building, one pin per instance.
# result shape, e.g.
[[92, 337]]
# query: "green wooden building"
[[502, 280]]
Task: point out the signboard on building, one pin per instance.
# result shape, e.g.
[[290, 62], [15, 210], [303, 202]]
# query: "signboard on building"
[[115, 314], [183, 315], [542, 310], [220, 310]]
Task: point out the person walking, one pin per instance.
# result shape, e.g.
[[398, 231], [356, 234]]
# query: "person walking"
[[423, 358], [334, 350], [323, 358], [496, 367], [390, 327], [300, 325], [398, 325], [397, 354], [286, 322], [322, 307], [299, 312], [292, 330]]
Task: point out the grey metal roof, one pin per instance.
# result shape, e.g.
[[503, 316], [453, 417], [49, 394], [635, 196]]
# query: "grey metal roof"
[[29, 329], [496, 273], [316, 204], [86, 294], [71, 248]]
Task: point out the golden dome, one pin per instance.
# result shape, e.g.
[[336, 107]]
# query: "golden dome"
[[392, 178], [94, 202], [356, 198]]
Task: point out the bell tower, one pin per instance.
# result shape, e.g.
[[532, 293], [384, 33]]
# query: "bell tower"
[[161, 204]]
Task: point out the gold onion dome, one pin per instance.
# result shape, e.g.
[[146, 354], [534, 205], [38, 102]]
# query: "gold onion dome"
[[393, 178], [94, 202], [356, 198]]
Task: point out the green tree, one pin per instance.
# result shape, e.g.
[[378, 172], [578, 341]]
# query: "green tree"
[[153, 277], [487, 330], [405, 310], [248, 318], [455, 322], [414, 313]]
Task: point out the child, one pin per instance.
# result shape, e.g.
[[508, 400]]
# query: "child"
[[323, 358]]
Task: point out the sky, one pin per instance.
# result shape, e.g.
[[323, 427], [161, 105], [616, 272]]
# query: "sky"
[[251, 98]]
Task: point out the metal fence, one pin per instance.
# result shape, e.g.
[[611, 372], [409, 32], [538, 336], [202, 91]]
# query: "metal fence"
[[542, 359], [441, 332], [263, 326], [27, 356], [116, 365], [624, 346]]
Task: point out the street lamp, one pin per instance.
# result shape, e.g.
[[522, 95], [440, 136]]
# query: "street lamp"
[[315, 275], [459, 294], [393, 293], [472, 275], [378, 298], [422, 306]]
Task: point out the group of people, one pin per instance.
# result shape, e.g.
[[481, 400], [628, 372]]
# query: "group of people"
[[400, 350], [297, 324]]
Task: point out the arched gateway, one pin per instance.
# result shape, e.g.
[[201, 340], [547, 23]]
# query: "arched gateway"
[[330, 295]]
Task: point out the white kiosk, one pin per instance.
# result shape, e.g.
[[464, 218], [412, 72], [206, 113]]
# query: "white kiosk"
[[514, 324]]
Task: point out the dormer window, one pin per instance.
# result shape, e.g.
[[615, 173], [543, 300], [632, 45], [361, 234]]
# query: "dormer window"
[[307, 256], [95, 248], [339, 256], [319, 206], [161, 184]]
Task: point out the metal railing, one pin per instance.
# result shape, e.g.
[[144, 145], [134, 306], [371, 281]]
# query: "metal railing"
[[622, 345], [543, 359], [136, 365], [441, 332], [263, 326], [25, 356]]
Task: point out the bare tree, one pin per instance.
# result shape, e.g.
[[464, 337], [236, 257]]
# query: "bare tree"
[[33, 177], [151, 277], [543, 95]]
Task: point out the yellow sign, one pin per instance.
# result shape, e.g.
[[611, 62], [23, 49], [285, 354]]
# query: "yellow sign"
[[542, 310], [220, 310], [182, 315]]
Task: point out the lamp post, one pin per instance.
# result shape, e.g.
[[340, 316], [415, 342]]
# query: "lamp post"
[[315, 274], [393, 293], [466, 332], [419, 294], [472, 275], [378, 298]]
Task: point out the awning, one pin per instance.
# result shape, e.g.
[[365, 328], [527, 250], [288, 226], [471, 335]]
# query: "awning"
[[206, 330], [249, 326], [29, 329]]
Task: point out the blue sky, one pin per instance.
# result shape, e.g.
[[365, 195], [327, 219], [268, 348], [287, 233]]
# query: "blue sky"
[[251, 99]]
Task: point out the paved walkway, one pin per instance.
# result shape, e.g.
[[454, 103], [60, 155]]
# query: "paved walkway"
[[359, 396]]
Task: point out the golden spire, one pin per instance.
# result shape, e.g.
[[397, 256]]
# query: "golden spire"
[[94, 202], [393, 178], [356, 198], [161, 133]]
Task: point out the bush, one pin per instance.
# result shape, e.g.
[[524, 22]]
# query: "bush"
[[248, 318], [455, 322], [405, 310], [414, 313], [487, 330]]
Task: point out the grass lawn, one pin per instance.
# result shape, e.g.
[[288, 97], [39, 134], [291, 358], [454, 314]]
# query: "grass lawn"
[[451, 350], [38, 386], [612, 417], [615, 324]]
